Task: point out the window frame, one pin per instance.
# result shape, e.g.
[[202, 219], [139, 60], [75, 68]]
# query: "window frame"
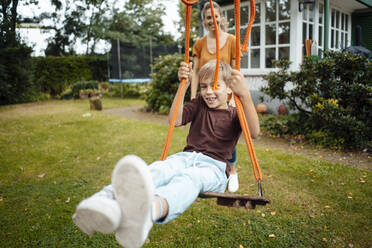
[[262, 46]]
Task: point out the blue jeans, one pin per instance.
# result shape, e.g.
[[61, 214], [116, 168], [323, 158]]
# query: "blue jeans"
[[181, 177], [233, 159]]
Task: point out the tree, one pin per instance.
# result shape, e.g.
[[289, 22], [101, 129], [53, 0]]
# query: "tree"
[[135, 27], [86, 22], [8, 23], [15, 67], [140, 20], [194, 25], [74, 20]]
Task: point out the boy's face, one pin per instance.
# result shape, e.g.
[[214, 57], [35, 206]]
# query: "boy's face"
[[215, 99]]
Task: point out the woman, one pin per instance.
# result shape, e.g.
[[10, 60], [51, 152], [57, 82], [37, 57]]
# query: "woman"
[[204, 50]]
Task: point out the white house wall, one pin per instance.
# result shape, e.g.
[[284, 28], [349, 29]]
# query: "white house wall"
[[254, 75]]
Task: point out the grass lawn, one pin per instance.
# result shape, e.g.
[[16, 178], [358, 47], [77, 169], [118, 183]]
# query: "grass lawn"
[[52, 155]]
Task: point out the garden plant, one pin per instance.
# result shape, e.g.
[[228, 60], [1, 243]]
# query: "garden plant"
[[331, 97], [165, 83]]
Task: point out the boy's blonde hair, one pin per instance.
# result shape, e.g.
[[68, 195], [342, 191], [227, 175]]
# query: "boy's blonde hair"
[[216, 7], [209, 68]]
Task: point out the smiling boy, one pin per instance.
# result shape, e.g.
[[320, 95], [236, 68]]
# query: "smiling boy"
[[142, 195]]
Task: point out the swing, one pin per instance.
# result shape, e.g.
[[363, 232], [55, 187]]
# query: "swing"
[[225, 199]]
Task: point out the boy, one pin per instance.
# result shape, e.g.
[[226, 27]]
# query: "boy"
[[141, 195]]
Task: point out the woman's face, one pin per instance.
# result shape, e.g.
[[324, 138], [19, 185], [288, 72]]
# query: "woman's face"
[[208, 20]]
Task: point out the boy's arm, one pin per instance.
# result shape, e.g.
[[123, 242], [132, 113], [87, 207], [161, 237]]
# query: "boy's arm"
[[183, 72], [240, 88]]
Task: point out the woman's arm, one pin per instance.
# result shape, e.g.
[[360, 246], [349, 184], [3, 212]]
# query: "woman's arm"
[[195, 78], [184, 72]]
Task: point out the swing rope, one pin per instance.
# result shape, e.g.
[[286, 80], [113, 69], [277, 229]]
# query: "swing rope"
[[182, 86], [239, 106]]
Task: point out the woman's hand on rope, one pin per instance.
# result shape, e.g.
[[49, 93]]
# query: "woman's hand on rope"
[[185, 72], [237, 84]]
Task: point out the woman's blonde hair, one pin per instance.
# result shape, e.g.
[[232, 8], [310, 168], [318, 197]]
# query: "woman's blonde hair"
[[224, 24], [209, 68]]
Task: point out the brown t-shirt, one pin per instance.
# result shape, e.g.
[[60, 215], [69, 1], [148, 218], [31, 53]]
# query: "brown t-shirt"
[[213, 132]]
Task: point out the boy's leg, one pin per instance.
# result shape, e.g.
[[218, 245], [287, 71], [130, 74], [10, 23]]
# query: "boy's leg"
[[233, 185], [134, 192], [98, 213], [204, 175], [163, 171]]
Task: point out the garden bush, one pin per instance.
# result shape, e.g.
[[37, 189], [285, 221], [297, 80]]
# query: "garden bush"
[[133, 90], [16, 84], [332, 97], [164, 84], [280, 125], [83, 85]]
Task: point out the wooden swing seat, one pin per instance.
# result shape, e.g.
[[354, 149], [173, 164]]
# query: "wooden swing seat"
[[236, 200]]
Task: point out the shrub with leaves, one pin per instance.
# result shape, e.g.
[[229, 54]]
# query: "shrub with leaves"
[[332, 96], [165, 83], [16, 84], [134, 90], [83, 85]]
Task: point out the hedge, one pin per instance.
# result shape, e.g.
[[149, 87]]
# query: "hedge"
[[55, 74]]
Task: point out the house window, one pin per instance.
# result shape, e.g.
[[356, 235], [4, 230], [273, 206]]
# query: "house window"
[[308, 18], [270, 34], [277, 26], [339, 30]]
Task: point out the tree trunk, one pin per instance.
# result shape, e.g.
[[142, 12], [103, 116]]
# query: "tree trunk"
[[8, 27]]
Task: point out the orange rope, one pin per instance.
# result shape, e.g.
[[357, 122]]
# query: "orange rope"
[[215, 87], [249, 28], [239, 106], [168, 139]]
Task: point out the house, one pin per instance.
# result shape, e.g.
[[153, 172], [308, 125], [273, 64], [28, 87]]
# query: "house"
[[282, 26]]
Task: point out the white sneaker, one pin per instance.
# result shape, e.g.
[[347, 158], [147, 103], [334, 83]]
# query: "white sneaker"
[[98, 213], [134, 191], [233, 183]]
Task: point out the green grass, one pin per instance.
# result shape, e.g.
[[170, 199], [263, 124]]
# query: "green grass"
[[51, 157]]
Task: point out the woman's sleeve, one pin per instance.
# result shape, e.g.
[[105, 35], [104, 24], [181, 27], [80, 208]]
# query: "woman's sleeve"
[[196, 49]]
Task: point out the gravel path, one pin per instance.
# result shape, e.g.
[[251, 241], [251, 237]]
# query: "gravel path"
[[359, 159]]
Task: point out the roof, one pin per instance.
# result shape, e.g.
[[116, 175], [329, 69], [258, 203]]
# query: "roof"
[[368, 3]]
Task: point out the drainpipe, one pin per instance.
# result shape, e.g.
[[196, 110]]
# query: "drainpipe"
[[326, 24]]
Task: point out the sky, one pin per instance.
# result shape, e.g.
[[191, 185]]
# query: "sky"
[[37, 39]]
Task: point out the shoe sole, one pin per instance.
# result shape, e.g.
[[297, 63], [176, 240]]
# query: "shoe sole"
[[134, 192], [97, 216]]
